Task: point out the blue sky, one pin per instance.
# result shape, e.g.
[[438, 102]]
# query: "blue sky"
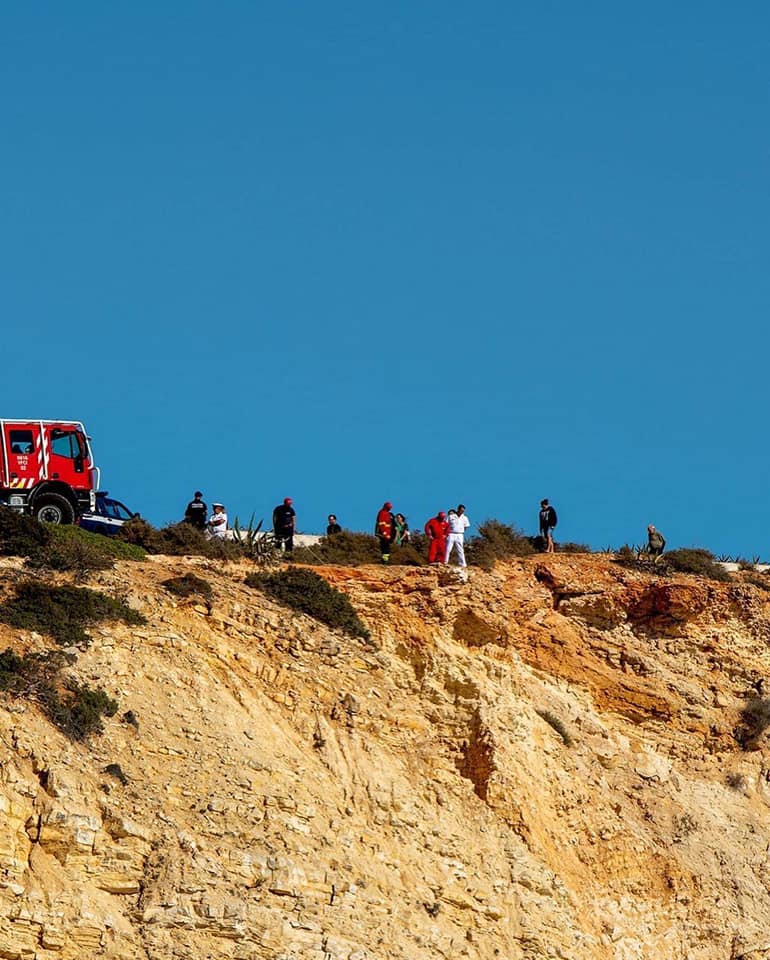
[[425, 252]]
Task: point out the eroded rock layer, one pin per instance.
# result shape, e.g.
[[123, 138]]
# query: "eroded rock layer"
[[561, 758]]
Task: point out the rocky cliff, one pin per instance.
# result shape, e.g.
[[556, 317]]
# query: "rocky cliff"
[[561, 758]]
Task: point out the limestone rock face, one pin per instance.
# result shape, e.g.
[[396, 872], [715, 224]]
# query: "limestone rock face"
[[557, 759]]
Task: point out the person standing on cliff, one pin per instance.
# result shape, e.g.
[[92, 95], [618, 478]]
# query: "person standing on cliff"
[[196, 512], [284, 525], [548, 520], [458, 524], [333, 526], [385, 529], [436, 530]]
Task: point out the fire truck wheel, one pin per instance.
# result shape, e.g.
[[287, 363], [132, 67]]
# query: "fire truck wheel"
[[53, 508]]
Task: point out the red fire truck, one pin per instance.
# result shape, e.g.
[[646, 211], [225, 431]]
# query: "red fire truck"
[[47, 469]]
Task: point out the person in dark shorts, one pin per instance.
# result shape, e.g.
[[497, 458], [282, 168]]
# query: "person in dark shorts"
[[548, 519], [284, 525], [333, 527], [197, 512]]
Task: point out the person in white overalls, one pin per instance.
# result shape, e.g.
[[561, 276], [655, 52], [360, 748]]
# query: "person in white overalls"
[[458, 524], [217, 524]]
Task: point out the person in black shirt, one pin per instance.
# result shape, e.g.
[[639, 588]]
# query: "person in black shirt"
[[284, 525], [197, 512], [547, 519], [333, 527]]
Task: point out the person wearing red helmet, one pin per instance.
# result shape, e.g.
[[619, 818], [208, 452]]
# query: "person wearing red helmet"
[[436, 530], [385, 529], [284, 525]]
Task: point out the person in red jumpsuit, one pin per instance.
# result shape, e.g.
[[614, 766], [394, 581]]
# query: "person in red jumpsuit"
[[436, 530], [385, 529]]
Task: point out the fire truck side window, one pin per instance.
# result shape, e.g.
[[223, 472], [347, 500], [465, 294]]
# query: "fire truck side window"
[[64, 444], [22, 441]]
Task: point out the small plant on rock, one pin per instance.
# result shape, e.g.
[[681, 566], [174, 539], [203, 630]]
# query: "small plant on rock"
[[558, 725], [257, 544], [75, 708], [755, 719], [188, 586]]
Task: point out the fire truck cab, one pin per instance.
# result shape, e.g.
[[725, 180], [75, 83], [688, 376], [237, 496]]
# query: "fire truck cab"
[[47, 469]]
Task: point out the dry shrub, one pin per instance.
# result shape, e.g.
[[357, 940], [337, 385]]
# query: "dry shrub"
[[755, 719], [21, 536], [75, 708], [302, 590], [188, 586], [695, 560], [350, 549], [63, 612], [497, 541], [177, 540]]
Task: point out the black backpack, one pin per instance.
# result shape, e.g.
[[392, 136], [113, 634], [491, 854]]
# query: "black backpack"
[[552, 518]]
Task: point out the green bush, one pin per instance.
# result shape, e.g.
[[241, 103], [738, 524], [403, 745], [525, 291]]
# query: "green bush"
[[302, 590], [177, 540], [63, 612], [697, 561], [70, 548], [758, 579], [497, 541], [570, 547], [75, 708], [64, 547], [78, 711], [355, 549], [21, 536], [188, 586]]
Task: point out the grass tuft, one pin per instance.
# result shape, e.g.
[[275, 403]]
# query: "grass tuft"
[[553, 721], [188, 586]]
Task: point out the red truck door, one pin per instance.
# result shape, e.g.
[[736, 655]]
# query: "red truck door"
[[24, 454], [67, 456]]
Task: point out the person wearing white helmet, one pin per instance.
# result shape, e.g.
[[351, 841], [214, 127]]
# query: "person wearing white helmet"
[[458, 524], [217, 525]]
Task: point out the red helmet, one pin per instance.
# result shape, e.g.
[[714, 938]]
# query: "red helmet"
[[287, 501], [441, 515], [387, 505]]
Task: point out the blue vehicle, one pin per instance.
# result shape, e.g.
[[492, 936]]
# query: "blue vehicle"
[[108, 517]]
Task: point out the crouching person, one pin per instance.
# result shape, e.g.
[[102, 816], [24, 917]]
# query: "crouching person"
[[656, 542], [216, 528]]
